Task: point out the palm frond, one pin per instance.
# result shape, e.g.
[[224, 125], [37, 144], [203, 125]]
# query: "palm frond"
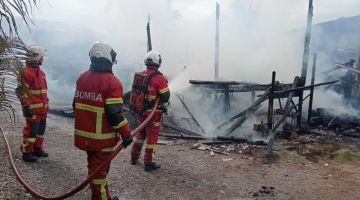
[[12, 53], [8, 8]]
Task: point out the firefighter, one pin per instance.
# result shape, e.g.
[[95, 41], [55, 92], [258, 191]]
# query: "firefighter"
[[34, 101], [157, 87], [99, 122]]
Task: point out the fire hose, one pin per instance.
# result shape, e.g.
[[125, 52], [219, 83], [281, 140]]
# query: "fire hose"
[[118, 148]]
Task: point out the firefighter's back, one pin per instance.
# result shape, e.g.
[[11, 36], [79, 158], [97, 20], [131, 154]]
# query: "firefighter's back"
[[92, 131]]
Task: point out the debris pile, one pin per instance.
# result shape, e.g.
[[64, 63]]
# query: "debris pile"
[[327, 123], [224, 148], [264, 191], [63, 112]]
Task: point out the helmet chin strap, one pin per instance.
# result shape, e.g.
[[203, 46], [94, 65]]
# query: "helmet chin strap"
[[113, 56], [156, 66], [33, 63]]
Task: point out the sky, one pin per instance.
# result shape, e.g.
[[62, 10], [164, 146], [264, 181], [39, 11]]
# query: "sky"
[[179, 25], [98, 14], [254, 34]]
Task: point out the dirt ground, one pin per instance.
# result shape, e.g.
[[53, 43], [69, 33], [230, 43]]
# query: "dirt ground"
[[185, 173]]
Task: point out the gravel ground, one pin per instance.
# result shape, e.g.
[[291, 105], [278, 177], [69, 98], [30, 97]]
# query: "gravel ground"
[[185, 173]]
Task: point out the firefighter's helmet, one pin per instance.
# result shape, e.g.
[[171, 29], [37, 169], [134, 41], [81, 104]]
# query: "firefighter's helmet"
[[152, 58], [35, 53], [102, 51]]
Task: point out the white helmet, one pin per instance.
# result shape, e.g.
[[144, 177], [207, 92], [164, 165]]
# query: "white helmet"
[[35, 53], [152, 58], [102, 50]]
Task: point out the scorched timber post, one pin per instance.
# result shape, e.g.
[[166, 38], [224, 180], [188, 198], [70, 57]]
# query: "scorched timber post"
[[149, 45], [305, 59], [217, 42], [271, 101], [311, 91]]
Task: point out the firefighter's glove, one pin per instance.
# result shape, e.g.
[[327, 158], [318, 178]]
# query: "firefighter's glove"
[[127, 141], [163, 108], [28, 112]]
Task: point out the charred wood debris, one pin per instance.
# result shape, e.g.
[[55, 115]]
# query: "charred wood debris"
[[281, 122], [278, 125]]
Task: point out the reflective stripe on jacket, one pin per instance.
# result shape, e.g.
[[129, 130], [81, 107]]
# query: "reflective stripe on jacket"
[[97, 93], [35, 80], [158, 87]]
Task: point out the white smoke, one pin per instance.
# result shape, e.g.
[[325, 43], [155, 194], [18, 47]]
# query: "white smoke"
[[334, 101], [256, 38]]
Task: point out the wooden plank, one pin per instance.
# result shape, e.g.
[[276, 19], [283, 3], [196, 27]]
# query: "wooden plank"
[[291, 94], [305, 60], [183, 130], [200, 82], [348, 68], [247, 111], [305, 87], [271, 101], [311, 91], [188, 111], [241, 118]]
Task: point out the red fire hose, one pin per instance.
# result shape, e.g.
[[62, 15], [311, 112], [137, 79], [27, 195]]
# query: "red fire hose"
[[118, 148]]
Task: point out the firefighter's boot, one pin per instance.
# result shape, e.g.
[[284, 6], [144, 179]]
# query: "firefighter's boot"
[[40, 153], [151, 167], [133, 161], [113, 198], [29, 157]]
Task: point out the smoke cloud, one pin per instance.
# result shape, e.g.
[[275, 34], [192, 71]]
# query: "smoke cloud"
[[256, 38]]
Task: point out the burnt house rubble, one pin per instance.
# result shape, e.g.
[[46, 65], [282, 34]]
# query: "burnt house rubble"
[[290, 97], [276, 109]]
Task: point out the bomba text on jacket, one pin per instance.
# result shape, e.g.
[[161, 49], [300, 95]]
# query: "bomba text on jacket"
[[89, 96]]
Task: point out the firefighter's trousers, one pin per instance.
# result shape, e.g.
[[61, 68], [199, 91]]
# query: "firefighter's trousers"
[[99, 186], [33, 134], [150, 134]]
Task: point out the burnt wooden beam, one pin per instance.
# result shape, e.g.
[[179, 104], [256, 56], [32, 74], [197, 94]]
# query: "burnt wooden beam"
[[271, 101], [241, 118], [247, 111], [234, 86], [293, 103], [217, 42], [217, 142], [226, 101], [305, 87], [182, 136], [305, 59], [148, 34], [183, 130], [348, 68], [189, 112], [258, 87], [307, 41], [286, 114], [235, 125], [199, 82], [311, 91], [277, 125], [219, 138], [280, 104], [291, 94]]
